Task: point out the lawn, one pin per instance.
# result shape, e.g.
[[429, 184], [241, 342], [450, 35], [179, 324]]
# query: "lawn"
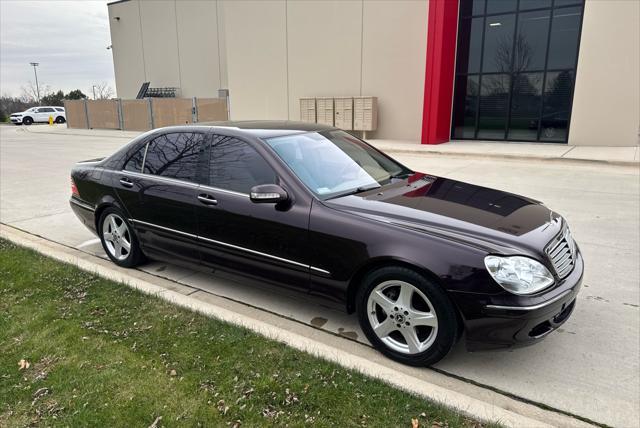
[[78, 350]]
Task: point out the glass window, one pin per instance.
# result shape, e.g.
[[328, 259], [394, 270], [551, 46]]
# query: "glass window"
[[557, 105], [472, 7], [46, 110], [174, 155], [237, 166], [60, 109], [531, 43], [498, 43], [134, 163], [515, 69], [526, 99], [494, 99], [335, 163], [565, 33], [470, 36], [465, 107], [501, 6], [534, 4]]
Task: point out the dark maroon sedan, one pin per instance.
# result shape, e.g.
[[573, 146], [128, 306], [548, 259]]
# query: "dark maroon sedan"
[[422, 260]]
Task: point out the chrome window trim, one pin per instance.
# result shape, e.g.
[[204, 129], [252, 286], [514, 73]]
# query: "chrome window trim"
[[230, 192], [82, 204], [161, 178], [236, 247], [532, 307]]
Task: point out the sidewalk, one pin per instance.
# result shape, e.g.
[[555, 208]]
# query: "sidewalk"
[[541, 151], [628, 156]]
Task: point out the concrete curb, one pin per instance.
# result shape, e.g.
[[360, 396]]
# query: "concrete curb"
[[465, 404], [506, 156]]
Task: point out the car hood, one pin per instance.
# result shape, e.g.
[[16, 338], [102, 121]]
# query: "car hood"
[[492, 219]]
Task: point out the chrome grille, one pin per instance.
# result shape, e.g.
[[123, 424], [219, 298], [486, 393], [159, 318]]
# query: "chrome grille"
[[562, 253]]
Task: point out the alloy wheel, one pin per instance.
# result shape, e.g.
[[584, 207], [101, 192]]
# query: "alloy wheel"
[[117, 237], [402, 317]]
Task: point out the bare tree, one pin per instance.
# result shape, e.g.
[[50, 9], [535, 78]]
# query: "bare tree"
[[29, 92], [103, 91]]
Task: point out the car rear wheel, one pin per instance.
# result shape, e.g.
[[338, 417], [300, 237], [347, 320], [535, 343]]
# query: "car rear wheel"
[[27, 120], [118, 238], [406, 316], [60, 119]]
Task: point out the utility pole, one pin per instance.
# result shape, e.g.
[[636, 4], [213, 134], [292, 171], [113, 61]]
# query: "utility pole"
[[34, 65], [93, 87]]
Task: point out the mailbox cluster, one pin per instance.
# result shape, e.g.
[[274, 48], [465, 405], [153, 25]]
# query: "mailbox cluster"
[[348, 113]]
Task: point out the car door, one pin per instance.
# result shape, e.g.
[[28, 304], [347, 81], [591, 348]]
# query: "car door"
[[158, 187], [43, 114], [265, 241]]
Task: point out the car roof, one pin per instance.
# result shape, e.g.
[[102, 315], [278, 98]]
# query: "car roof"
[[269, 128]]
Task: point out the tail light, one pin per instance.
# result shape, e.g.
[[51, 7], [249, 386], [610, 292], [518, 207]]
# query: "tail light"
[[74, 189]]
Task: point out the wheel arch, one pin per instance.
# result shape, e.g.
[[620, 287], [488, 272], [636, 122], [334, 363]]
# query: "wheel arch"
[[104, 203], [377, 263]]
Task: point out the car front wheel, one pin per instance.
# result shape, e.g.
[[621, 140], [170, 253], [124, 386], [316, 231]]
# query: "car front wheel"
[[118, 238], [406, 316], [27, 121]]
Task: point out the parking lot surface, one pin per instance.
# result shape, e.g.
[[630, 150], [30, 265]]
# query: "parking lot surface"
[[589, 367]]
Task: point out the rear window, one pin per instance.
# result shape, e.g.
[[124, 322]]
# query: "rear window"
[[60, 109], [174, 155]]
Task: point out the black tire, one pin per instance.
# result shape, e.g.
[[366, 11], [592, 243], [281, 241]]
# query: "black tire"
[[135, 256], [447, 333], [60, 119], [27, 120]]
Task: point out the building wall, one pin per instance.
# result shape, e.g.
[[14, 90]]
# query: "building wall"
[[270, 53], [393, 64], [606, 104], [126, 42], [200, 59], [255, 35]]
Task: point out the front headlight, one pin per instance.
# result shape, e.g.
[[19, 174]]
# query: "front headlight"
[[518, 274]]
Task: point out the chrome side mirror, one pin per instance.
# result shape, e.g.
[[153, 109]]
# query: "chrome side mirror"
[[268, 194]]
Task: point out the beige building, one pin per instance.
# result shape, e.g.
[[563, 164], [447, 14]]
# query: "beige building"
[[563, 71]]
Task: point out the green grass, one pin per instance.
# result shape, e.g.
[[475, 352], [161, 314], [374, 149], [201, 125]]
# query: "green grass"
[[102, 354]]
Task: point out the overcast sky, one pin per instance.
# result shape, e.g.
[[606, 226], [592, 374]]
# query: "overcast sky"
[[68, 38]]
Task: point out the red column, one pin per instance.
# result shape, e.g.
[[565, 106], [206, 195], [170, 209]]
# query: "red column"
[[442, 26]]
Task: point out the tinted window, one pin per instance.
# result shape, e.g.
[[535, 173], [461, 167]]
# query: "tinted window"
[[531, 42], [498, 43], [59, 109], [499, 6], [525, 106], [470, 46], [46, 110], [494, 99], [236, 166], [565, 33], [135, 162], [174, 155], [465, 107]]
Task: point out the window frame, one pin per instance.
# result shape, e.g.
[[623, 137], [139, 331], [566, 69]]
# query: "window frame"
[[208, 153], [553, 9], [199, 178]]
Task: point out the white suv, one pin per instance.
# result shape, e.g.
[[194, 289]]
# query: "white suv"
[[39, 114]]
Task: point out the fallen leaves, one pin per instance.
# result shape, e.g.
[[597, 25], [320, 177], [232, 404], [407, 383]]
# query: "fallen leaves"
[[415, 423], [23, 364]]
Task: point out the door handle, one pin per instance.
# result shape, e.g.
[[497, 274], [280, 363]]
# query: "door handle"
[[207, 199], [125, 182]]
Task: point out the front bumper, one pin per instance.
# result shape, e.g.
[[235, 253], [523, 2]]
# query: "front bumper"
[[16, 120], [497, 323]]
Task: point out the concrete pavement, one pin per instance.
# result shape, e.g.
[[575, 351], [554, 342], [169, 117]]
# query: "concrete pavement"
[[589, 368]]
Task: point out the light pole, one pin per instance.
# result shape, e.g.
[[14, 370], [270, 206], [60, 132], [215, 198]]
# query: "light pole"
[[34, 65]]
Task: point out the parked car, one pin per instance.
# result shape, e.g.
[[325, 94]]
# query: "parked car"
[[422, 260], [39, 114]]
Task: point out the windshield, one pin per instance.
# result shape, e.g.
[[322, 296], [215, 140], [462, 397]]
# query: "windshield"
[[335, 163]]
